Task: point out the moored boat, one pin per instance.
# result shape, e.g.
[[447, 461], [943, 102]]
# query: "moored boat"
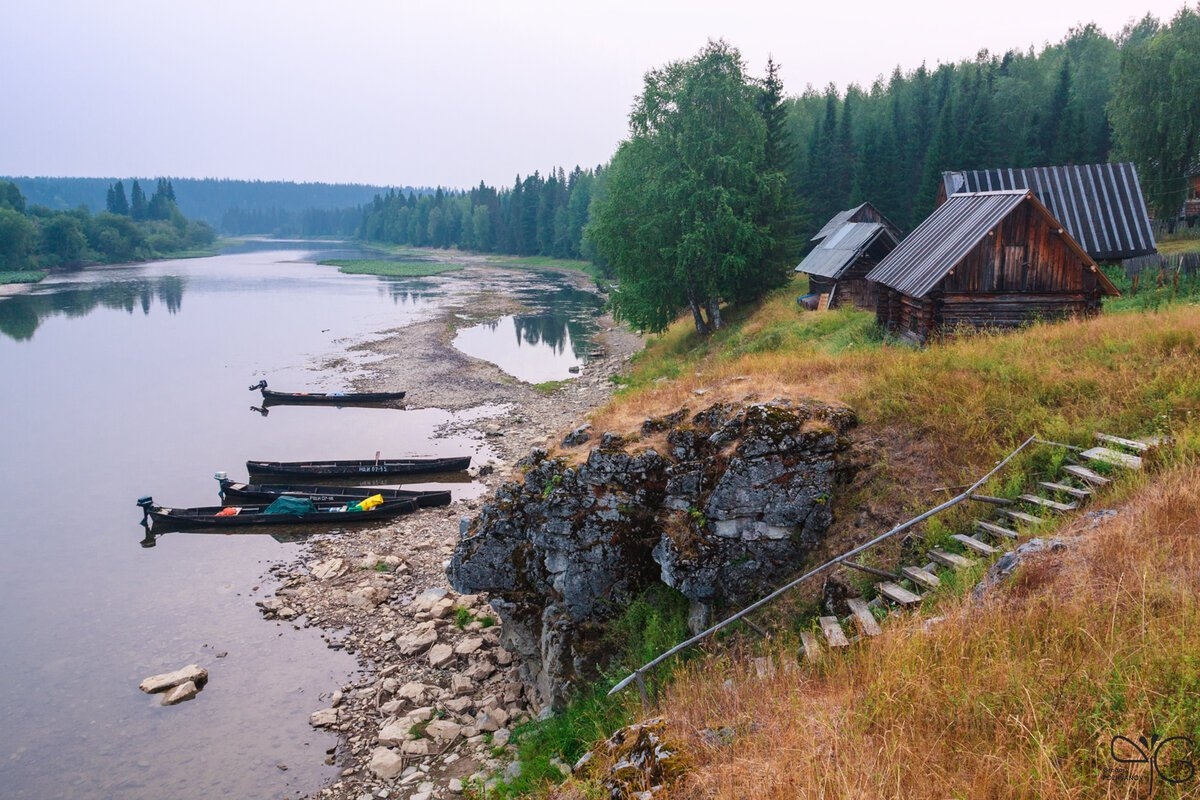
[[366, 466], [294, 511], [237, 492], [272, 397]]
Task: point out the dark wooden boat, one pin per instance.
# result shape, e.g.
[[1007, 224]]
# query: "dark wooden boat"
[[246, 516], [366, 466], [236, 492], [271, 397]]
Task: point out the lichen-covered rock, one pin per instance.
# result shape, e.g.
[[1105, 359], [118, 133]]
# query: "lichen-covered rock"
[[739, 499]]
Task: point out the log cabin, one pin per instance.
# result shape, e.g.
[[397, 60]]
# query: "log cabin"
[[839, 264], [1100, 205], [986, 259]]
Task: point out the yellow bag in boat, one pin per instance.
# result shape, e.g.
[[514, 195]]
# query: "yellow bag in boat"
[[369, 503]]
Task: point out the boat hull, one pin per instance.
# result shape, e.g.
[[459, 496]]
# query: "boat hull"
[[398, 466], [252, 516], [235, 492], [330, 399]]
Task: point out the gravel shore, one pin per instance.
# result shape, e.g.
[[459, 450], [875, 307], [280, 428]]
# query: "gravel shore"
[[438, 695]]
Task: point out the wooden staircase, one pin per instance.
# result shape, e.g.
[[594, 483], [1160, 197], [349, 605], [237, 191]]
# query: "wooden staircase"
[[1013, 520]]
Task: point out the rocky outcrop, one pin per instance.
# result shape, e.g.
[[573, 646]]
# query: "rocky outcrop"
[[722, 508]]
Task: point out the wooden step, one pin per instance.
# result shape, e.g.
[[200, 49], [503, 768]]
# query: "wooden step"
[[1130, 444], [996, 530], [812, 650], [834, 634], [1074, 491], [972, 543], [995, 501], [1021, 516], [898, 594], [952, 560], [1114, 457], [921, 576], [1085, 474], [863, 617], [1053, 505]]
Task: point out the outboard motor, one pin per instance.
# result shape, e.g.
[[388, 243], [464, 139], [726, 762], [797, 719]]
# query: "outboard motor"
[[219, 477], [145, 504], [259, 385]]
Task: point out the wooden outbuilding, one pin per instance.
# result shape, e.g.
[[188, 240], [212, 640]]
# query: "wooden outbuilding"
[[1100, 205], [986, 259], [860, 213], [838, 265]]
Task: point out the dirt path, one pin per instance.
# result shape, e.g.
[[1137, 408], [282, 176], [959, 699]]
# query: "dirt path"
[[438, 693]]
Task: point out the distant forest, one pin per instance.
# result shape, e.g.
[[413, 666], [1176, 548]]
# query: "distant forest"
[[233, 207]]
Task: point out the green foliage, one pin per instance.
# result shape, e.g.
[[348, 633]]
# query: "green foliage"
[[31, 276], [1155, 109], [549, 387], [462, 617], [391, 269], [692, 209]]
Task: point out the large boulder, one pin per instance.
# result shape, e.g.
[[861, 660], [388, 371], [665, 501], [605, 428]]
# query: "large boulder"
[[724, 512]]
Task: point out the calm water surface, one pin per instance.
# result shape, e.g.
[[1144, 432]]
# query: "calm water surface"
[[123, 382]]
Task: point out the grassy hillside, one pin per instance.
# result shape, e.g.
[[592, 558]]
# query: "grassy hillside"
[[1021, 695]]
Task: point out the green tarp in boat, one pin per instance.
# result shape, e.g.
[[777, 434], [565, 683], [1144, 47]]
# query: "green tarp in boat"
[[290, 505]]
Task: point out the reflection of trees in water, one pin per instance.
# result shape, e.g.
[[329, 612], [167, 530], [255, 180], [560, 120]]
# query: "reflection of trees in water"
[[21, 314], [407, 292], [565, 314]]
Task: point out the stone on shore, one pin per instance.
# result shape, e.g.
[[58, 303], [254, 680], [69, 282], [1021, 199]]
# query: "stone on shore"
[[184, 691], [440, 655], [325, 718], [420, 640], [386, 764], [159, 683]]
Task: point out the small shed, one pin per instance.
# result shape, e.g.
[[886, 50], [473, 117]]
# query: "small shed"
[[839, 264], [1100, 205], [986, 259]]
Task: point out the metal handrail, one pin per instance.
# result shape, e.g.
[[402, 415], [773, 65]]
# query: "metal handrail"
[[638, 674]]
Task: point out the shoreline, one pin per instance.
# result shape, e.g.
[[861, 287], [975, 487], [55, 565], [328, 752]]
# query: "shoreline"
[[436, 693]]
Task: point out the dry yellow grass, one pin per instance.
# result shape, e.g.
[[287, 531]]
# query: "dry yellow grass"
[[1017, 697]]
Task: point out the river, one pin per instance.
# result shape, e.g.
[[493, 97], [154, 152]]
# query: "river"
[[132, 381]]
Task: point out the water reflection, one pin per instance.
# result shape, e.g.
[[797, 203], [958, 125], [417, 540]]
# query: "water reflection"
[[20, 315], [546, 345]]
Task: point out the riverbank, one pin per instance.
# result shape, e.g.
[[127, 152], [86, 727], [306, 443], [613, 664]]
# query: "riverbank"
[[437, 694]]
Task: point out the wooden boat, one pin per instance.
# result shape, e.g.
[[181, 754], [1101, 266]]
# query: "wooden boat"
[[271, 397], [246, 516], [235, 492], [366, 466]]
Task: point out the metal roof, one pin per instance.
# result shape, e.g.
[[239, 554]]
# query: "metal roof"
[[836, 221], [943, 239], [841, 248], [1100, 205]]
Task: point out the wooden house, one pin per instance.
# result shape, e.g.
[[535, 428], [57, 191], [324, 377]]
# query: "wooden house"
[[839, 263], [1100, 205], [986, 259]]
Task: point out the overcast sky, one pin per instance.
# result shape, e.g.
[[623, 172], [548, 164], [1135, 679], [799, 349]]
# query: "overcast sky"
[[438, 93]]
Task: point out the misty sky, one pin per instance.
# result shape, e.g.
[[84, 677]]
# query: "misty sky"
[[403, 93]]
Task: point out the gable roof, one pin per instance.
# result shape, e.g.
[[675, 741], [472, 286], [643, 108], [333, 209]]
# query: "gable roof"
[[841, 248], [860, 213], [925, 256], [1100, 205]]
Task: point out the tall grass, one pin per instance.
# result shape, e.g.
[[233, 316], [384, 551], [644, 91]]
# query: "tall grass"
[[1015, 697]]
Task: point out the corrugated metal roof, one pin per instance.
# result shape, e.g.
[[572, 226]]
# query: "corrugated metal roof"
[[941, 241], [1100, 205], [840, 249], [836, 221]]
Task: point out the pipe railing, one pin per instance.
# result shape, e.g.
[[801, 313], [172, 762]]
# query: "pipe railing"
[[638, 674]]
